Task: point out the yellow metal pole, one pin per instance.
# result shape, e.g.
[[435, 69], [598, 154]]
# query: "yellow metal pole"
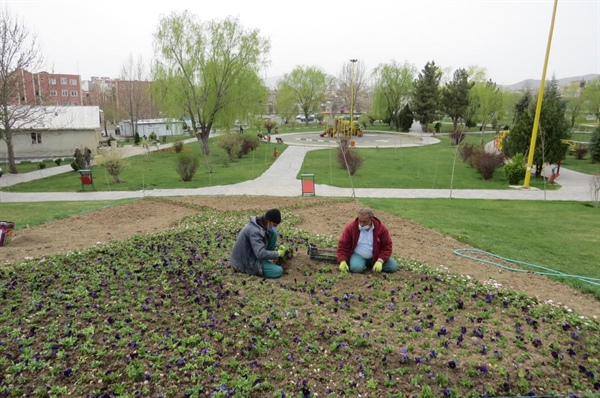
[[538, 109], [352, 99]]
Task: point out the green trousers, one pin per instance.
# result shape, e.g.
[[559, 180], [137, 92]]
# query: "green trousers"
[[269, 268]]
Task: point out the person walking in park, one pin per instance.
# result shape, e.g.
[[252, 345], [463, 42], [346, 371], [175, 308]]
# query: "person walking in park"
[[254, 248], [365, 242]]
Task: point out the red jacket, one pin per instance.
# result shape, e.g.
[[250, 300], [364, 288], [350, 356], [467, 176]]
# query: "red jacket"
[[382, 242]]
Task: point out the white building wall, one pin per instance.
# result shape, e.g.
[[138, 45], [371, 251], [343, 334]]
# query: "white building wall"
[[54, 144], [60, 130]]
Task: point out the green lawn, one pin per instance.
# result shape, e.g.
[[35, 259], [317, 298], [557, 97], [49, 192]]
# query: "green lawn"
[[156, 170], [26, 215], [563, 236], [428, 167]]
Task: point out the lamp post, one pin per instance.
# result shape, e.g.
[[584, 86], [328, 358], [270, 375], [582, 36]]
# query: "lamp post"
[[352, 99]]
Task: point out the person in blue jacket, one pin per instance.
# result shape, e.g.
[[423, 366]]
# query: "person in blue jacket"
[[255, 246]]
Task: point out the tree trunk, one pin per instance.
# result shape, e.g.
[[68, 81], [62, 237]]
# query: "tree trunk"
[[454, 123], [202, 137], [538, 170], [12, 166]]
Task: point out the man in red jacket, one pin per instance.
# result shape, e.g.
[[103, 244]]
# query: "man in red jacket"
[[366, 242]]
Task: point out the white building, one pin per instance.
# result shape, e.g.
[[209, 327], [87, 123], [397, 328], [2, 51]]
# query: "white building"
[[55, 133], [160, 127]]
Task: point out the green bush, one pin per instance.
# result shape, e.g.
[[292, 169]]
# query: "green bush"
[[187, 165], [41, 165], [580, 151], [178, 146], [236, 145], [58, 161], [515, 170]]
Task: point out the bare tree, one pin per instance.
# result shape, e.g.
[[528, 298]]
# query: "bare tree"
[[19, 52], [134, 90], [354, 71]]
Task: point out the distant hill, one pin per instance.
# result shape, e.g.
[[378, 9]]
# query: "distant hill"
[[534, 84]]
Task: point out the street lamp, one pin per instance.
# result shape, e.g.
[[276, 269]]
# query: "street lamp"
[[352, 99]]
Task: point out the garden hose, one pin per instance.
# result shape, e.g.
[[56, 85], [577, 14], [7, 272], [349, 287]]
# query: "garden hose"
[[545, 271]]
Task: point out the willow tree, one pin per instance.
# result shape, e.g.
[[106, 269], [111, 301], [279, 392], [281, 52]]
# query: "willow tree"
[[393, 91], [306, 87], [208, 71]]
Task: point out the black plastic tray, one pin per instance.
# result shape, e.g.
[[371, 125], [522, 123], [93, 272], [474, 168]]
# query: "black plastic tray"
[[325, 255]]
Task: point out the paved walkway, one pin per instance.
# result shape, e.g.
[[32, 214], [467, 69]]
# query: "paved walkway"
[[280, 179]]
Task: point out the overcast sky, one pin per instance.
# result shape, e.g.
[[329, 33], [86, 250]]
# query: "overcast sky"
[[507, 37]]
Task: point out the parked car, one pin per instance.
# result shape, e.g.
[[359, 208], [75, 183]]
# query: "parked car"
[[302, 118]]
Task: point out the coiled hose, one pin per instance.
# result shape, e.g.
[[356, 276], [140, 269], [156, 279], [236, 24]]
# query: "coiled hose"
[[544, 270]]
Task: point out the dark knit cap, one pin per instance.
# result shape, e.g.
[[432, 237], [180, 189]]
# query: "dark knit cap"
[[273, 215]]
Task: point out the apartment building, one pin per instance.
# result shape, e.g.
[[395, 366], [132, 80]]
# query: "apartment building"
[[45, 88]]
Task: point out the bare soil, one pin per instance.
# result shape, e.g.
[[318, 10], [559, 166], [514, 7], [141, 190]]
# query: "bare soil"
[[323, 216]]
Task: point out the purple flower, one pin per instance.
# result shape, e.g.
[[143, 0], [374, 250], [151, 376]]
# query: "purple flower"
[[180, 362], [489, 298], [483, 369], [442, 331], [68, 372], [391, 307], [417, 328], [452, 364], [536, 342], [297, 339]]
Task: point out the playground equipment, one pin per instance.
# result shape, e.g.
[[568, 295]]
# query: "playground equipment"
[[337, 127]]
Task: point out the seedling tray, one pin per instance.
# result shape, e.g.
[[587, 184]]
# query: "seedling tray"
[[325, 255]]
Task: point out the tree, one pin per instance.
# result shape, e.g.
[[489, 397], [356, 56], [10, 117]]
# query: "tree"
[[485, 100], [455, 96], [595, 145], [426, 97], [553, 127], [575, 101], [208, 71], [353, 72], [286, 105], [392, 91], [133, 91], [591, 95], [405, 119], [306, 87], [19, 52]]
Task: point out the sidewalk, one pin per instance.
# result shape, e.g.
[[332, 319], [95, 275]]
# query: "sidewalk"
[[280, 180]]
